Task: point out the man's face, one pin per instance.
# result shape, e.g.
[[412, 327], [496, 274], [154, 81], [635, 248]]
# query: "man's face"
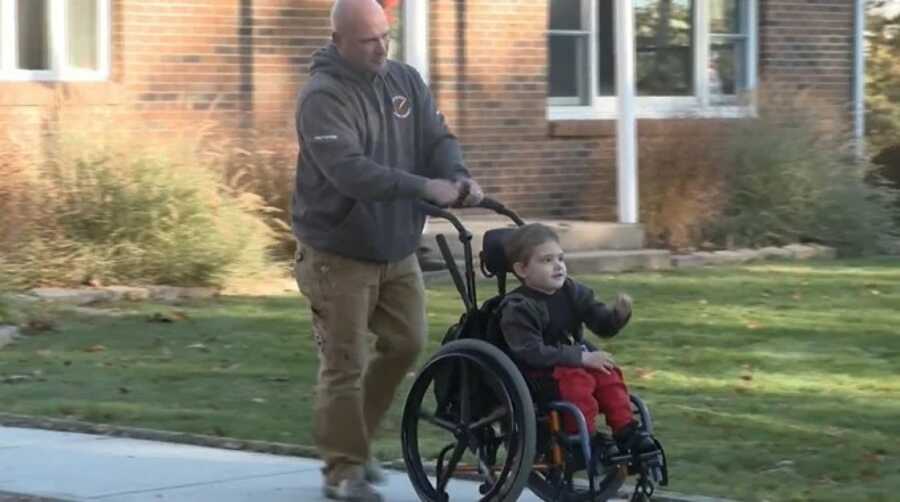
[[545, 270], [365, 42]]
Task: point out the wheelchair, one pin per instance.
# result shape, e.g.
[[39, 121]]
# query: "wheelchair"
[[472, 414]]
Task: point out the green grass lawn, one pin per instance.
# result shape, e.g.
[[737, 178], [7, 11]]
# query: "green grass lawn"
[[767, 382]]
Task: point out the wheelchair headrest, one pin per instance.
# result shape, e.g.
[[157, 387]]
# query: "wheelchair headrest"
[[493, 253]]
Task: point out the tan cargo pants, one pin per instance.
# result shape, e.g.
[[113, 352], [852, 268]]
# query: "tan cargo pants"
[[350, 299]]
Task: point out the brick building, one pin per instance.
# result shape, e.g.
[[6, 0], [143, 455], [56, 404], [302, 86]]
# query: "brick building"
[[528, 85]]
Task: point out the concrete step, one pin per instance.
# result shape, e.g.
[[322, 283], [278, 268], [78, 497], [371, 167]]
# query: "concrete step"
[[575, 236], [595, 262], [587, 262]]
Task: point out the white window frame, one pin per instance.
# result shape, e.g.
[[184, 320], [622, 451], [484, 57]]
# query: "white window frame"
[[661, 107], [57, 26]]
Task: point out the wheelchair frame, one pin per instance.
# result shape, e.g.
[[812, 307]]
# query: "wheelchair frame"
[[566, 452]]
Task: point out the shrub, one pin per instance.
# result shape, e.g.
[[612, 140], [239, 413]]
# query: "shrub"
[[680, 183], [790, 176], [123, 208]]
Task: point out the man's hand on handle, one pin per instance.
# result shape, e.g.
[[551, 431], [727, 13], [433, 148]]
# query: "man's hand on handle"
[[441, 192], [462, 193], [470, 192]]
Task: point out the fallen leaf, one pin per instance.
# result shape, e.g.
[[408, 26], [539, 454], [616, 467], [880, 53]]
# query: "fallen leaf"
[[123, 390], [746, 378], [258, 400], [869, 474], [644, 373], [753, 325], [17, 379], [36, 326], [168, 317], [873, 458], [199, 346], [95, 348], [875, 292]]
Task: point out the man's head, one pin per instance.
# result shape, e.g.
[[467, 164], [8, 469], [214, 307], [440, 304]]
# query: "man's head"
[[536, 257], [360, 32]]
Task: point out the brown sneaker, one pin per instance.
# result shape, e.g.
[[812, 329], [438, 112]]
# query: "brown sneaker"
[[374, 473], [352, 490]]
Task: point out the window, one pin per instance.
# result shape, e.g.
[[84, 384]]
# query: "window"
[[728, 60], [692, 57], [54, 39], [409, 33], [664, 43], [569, 49], [396, 16]]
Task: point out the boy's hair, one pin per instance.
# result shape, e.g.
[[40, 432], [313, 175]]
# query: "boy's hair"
[[520, 244]]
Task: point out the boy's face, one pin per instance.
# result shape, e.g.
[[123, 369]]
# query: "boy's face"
[[545, 270]]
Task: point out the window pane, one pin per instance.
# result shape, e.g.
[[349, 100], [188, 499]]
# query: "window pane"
[[727, 72], [664, 46], [82, 33], [568, 68], [566, 15], [725, 16], [33, 36], [606, 48], [396, 14]]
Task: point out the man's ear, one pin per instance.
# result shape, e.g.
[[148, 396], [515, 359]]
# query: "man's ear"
[[519, 269]]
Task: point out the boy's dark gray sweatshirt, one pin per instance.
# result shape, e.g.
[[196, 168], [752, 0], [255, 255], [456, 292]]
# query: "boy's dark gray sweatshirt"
[[368, 143]]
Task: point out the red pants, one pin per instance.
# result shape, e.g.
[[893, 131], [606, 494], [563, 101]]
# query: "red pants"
[[593, 391]]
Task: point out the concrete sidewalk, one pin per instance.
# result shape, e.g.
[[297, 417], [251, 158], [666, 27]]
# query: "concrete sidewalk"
[[50, 465]]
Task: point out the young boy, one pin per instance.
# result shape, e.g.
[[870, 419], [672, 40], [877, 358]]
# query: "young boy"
[[541, 322]]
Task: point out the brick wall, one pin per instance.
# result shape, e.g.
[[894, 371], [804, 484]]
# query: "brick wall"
[[807, 46], [235, 64], [488, 73], [238, 64]]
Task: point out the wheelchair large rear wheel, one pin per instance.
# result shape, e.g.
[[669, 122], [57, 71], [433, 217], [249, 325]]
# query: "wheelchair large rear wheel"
[[469, 415]]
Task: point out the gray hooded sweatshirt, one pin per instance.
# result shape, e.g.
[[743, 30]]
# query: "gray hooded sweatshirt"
[[368, 143]]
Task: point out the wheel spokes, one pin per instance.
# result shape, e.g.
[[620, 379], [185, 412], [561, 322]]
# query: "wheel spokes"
[[451, 465], [438, 422], [465, 393], [495, 415]]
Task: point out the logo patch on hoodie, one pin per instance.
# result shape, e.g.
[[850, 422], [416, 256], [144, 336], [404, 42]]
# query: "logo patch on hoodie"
[[402, 107]]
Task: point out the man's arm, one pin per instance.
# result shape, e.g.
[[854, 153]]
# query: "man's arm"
[[520, 324], [327, 130], [597, 316]]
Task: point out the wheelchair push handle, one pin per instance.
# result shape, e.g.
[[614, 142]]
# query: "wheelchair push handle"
[[486, 203]]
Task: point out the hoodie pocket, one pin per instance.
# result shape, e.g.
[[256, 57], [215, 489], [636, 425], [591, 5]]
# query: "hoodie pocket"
[[355, 234]]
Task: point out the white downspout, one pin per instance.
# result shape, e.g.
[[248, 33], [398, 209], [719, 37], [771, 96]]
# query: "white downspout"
[[415, 36], [626, 130], [859, 78]]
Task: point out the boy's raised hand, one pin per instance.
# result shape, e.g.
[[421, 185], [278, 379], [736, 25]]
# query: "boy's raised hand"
[[622, 309], [599, 360]]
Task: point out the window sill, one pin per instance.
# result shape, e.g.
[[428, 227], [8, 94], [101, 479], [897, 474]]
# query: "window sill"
[[44, 93], [586, 122]]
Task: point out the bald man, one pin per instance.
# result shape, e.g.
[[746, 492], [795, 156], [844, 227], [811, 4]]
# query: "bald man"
[[372, 145]]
